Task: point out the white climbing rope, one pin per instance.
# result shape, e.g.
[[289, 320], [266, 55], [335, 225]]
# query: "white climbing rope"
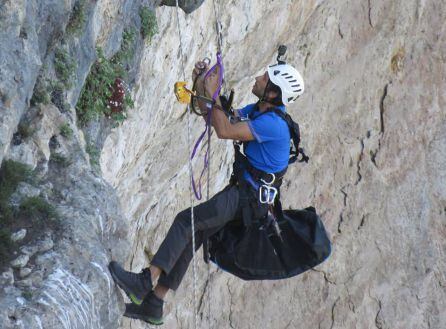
[[219, 49], [189, 141]]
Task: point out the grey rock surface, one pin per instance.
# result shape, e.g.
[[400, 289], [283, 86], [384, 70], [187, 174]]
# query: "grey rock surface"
[[46, 244], [29, 249], [69, 285], [7, 278], [20, 261], [19, 235], [24, 272], [187, 5], [24, 190], [27, 40]]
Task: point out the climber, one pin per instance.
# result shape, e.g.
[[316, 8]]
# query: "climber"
[[267, 136]]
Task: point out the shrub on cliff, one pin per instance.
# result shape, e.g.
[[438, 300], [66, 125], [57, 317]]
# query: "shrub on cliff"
[[105, 91], [149, 26]]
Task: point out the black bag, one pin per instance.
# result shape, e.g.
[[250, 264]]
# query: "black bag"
[[258, 253]]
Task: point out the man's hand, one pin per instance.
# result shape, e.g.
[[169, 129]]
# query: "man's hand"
[[205, 87], [211, 82], [200, 67]]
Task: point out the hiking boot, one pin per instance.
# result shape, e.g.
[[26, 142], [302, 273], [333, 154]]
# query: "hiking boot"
[[150, 311], [135, 285]]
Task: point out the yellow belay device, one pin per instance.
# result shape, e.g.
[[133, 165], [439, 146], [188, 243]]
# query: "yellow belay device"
[[183, 94], [186, 96]]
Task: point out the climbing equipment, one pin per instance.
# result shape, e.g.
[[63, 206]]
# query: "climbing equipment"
[[293, 127], [266, 186], [288, 79], [266, 191], [183, 94], [265, 242], [258, 252], [189, 141], [186, 96], [197, 186]]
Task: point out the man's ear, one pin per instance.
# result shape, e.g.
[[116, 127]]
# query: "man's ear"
[[271, 95]]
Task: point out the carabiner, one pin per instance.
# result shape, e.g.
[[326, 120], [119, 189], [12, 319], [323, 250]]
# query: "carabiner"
[[272, 180], [207, 61], [267, 194]]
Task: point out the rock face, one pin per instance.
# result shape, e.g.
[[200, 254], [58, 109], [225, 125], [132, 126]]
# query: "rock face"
[[187, 5], [373, 120], [65, 283]]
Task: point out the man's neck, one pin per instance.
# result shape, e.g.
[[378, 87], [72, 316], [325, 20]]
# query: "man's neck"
[[263, 106]]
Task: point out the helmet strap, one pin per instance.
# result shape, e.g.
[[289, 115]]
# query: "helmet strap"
[[263, 99], [276, 101]]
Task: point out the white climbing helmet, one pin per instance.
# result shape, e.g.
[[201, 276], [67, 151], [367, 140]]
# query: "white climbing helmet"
[[288, 79]]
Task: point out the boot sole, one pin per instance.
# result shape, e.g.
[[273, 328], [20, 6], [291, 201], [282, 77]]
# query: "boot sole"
[[148, 319], [135, 300]]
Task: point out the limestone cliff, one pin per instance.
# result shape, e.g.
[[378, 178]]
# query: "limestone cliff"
[[373, 119]]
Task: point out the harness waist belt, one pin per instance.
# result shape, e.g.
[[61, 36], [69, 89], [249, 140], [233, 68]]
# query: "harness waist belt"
[[258, 175]]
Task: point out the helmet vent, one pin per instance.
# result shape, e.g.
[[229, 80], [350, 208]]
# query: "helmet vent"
[[276, 72], [293, 80], [290, 99]]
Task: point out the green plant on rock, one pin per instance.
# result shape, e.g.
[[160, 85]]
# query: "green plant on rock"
[[60, 159], [65, 130], [27, 294], [104, 77], [77, 18], [6, 246], [11, 174], [40, 94], [65, 66], [149, 26], [25, 130], [94, 153], [37, 207], [126, 53], [96, 90], [58, 96]]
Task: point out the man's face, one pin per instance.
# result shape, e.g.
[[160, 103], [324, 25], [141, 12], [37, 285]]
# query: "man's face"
[[259, 87]]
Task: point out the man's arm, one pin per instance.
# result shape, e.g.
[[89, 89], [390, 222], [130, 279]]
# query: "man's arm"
[[224, 129]]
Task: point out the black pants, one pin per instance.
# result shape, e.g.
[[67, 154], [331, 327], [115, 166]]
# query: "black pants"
[[175, 252]]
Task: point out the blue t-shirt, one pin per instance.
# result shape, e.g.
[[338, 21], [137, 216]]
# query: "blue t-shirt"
[[270, 150]]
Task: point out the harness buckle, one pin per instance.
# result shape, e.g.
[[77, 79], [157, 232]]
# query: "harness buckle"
[[267, 194], [272, 180]]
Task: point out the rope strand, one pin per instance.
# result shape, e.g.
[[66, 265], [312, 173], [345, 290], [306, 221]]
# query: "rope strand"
[[189, 141]]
